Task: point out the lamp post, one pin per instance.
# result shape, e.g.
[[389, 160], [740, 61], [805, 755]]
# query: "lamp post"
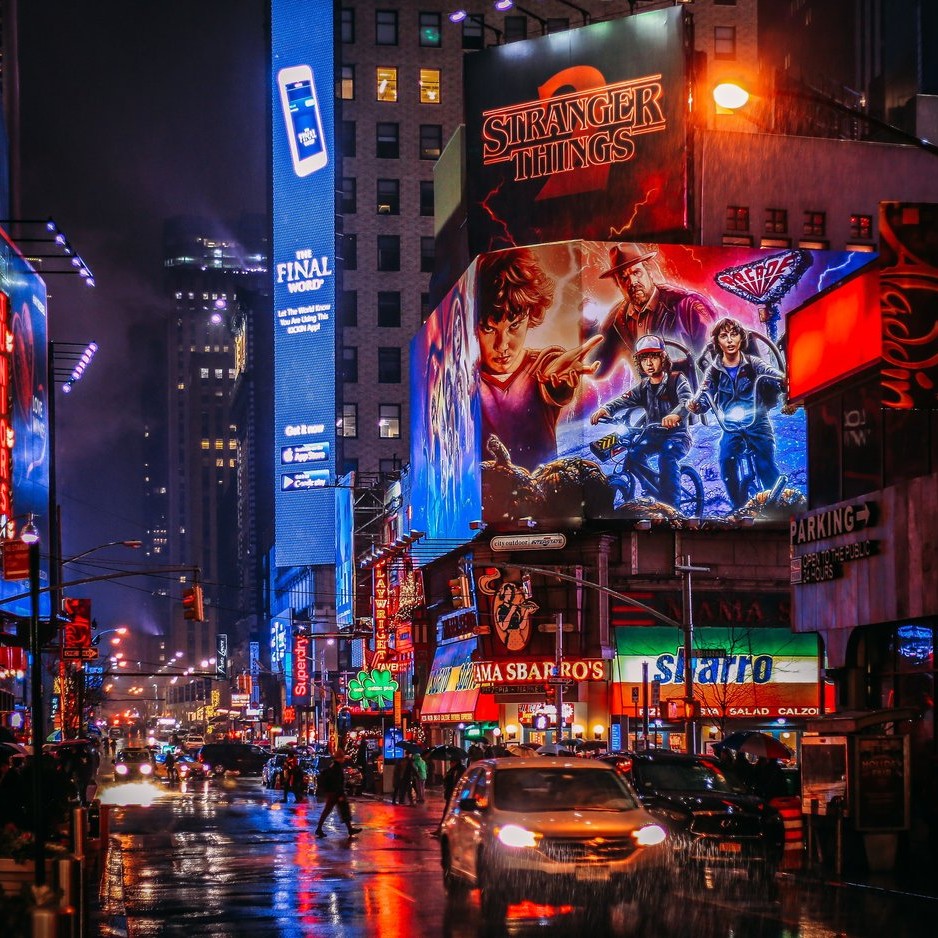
[[31, 537]]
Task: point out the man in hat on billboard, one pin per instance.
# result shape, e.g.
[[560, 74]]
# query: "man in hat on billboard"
[[663, 395], [648, 306]]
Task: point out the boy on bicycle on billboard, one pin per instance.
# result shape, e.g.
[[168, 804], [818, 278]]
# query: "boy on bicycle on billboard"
[[742, 389], [663, 395]]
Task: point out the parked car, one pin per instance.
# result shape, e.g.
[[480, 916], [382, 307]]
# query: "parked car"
[[558, 831], [134, 762], [714, 821], [273, 770], [353, 775], [240, 758]]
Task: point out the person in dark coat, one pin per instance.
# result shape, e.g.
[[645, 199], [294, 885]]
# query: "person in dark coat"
[[450, 781], [332, 786]]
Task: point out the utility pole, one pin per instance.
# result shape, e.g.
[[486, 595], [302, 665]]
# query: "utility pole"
[[558, 661], [687, 570]]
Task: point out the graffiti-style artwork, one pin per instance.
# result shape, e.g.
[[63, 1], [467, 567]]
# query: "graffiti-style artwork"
[[909, 304]]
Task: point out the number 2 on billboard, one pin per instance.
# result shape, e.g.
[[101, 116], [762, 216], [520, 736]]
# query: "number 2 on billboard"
[[302, 118]]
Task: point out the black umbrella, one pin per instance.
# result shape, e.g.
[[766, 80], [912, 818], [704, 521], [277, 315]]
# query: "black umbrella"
[[447, 753], [500, 751], [409, 746]]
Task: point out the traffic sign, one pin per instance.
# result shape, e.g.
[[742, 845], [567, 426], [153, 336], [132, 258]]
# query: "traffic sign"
[[15, 560], [564, 681]]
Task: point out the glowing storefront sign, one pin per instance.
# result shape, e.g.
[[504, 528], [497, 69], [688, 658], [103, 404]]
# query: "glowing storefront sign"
[[381, 597], [301, 673], [303, 159], [487, 673]]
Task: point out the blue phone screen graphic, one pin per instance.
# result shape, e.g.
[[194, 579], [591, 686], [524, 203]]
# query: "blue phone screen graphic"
[[305, 117]]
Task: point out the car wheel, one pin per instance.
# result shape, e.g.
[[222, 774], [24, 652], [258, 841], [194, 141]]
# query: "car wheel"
[[493, 902], [456, 887]]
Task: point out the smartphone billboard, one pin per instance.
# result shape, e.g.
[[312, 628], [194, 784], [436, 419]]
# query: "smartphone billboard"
[[579, 133], [597, 380], [303, 160]]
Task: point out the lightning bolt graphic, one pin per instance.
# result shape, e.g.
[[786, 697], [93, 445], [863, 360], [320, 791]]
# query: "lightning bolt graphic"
[[494, 216], [617, 232], [831, 270]]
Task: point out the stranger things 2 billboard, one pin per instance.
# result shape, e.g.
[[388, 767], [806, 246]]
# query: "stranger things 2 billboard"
[[542, 391], [579, 133]]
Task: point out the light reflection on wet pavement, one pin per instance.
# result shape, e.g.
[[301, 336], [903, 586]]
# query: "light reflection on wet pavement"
[[228, 859]]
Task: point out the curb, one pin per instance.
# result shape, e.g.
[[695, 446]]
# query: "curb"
[[827, 882]]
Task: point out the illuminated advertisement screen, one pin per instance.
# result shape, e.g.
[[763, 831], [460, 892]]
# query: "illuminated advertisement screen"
[[24, 437], [738, 672], [624, 380], [303, 160], [445, 492], [344, 550], [580, 133]]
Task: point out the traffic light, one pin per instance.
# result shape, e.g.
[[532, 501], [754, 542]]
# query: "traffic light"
[[459, 590], [550, 693], [192, 607]]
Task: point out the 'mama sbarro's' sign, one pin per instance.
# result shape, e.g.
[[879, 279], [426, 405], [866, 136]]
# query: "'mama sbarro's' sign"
[[579, 134], [495, 673]]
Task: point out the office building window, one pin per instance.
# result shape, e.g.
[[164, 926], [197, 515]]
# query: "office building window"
[[516, 27], [737, 218], [389, 309], [776, 221], [431, 33], [348, 138], [861, 226], [389, 421], [389, 365], [425, 307], [389, 197], [350, 364], [429, 86], [349, 256], [347, 25], [427, 254], [389, 252], [473, 32], [348, 195], [347, 424], [386, 77], [385, 27], [431, 141], [815, 224], [387, 141], [390, 466], [346, 82], [724, 42], [348, 308], [426, 197]]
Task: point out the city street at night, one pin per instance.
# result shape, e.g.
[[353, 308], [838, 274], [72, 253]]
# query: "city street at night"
[[227, 858]]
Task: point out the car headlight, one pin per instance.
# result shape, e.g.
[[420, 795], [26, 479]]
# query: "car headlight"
[[146, 769], [649, 835], [120, 768], [511, 835]]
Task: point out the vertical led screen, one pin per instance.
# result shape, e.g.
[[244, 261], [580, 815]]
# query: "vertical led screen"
[[580, 133], [344, 550], [445, 492], [624, 380], [24, 429], [303, 160]]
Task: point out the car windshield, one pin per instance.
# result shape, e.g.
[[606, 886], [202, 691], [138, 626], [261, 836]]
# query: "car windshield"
[[135, 755], [553, 789], [682, 776]]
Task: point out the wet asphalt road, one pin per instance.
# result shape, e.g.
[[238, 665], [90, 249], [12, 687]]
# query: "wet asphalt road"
[[228, 859]]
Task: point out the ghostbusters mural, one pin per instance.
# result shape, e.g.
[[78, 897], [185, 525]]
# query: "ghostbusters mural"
[[587, 380]]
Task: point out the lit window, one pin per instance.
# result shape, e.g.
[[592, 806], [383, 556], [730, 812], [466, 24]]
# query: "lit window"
[[219, 374], [232, 372], [861, 226], [203, 373], [205, 444], [219, 463], [430, 32], [815, 224], [389, 421], [346, 82], [724, 42], [232, 463], [232, 444], [429, 86], [737, 218], [387, 83], [347, 424], [219, 444]]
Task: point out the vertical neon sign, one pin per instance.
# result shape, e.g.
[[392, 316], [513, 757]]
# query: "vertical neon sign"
[[303, 161], [6, 425]]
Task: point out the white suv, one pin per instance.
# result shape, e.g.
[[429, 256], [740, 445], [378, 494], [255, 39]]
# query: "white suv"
[[548, 830], [194, 742]]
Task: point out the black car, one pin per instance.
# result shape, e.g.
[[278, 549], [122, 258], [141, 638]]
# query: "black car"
[[239, 758], [714, 821]]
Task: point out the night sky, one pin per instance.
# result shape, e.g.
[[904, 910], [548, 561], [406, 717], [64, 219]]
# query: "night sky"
[[131, 112]]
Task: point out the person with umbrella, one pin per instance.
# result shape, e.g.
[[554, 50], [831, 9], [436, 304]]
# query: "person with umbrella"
[[450, 781]]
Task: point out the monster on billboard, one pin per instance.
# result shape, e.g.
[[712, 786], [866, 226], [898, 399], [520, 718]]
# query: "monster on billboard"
[[621, 380], [579, 132]]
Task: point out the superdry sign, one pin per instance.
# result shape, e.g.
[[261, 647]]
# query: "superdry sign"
[[579, 134]]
